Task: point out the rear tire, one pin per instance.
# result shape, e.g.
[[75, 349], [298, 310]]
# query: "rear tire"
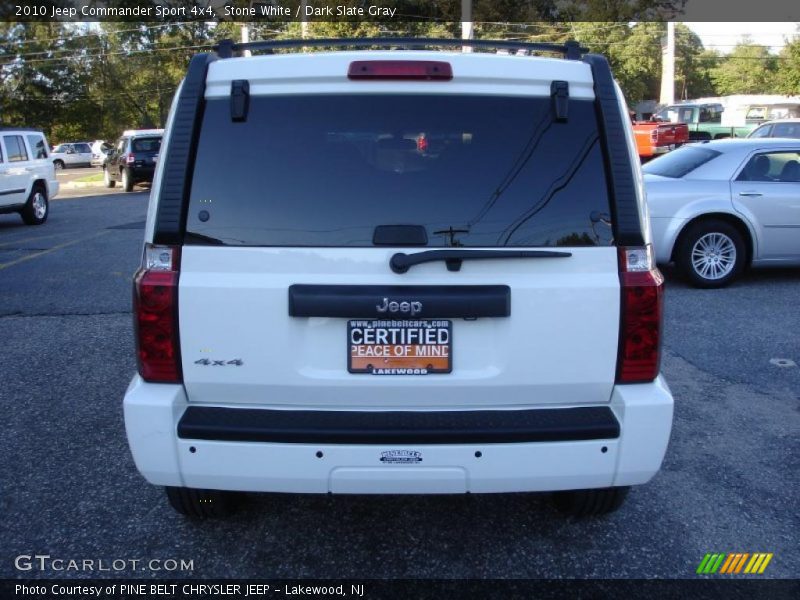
[[710, 254], [58, 165], [588, 503], [200, 504], [37, 207], [127, 181], [109, 183]]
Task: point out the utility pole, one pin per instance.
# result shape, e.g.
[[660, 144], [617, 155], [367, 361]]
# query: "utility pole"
[[668, 66], [467, 30], [303, 20], [245, 38]]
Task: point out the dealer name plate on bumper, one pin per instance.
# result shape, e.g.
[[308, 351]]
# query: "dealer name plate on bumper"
[[399, 346]]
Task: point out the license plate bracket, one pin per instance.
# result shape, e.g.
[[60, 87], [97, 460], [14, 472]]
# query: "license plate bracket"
[[399, 346]]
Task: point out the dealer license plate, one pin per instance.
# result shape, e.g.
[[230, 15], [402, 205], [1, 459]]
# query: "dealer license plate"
[[399, 347]]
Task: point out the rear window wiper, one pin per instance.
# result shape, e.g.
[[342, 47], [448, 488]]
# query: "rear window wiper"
[[401, 262]]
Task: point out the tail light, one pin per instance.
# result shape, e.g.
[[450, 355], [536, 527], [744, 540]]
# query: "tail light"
[[130, 158], [427, 70], [155, 309], [639, 353], [654, 135]]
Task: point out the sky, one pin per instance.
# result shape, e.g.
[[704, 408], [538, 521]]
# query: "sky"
[[724, 36]]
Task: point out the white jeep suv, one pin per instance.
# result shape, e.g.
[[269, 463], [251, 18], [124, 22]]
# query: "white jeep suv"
[[27, 177], [398, 272]]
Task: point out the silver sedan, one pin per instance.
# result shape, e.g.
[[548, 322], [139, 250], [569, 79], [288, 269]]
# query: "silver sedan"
[[719, 207]]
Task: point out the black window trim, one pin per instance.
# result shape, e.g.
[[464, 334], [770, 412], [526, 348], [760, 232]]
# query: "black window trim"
[[626, 219], [178, 164]]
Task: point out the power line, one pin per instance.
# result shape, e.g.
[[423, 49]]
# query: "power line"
[[130, 53], [100, 33]]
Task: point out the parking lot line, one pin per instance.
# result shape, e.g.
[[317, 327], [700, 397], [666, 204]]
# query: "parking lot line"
[[34, 239], [53, 249]]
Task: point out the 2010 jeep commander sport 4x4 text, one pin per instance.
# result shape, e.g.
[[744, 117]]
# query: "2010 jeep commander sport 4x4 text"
[[398, 271]]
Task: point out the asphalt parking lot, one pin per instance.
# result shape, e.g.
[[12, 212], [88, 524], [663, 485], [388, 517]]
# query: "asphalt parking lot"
[[70, 489]]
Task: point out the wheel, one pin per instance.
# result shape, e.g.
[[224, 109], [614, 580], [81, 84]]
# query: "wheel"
[[127, 182], [587, 503], [200, 504], [37, 207], [710, 254], [58, 165]]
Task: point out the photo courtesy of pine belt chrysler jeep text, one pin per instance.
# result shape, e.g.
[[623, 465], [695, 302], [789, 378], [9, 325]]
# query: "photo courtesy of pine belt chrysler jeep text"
[[398, 272]]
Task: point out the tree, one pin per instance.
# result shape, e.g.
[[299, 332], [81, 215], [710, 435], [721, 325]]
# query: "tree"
[[693, 65], [787, 79], [38, 79], [634, 53], [748, 69]]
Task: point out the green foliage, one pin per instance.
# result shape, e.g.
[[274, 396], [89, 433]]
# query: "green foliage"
[[748, 69], [787, 79]]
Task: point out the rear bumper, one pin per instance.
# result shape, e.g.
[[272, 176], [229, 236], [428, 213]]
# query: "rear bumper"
[[541, 450], [663, 149], [397, 427], [142, 174]]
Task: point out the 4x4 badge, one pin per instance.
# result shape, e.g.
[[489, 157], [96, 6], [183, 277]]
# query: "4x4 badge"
[[238, 362]]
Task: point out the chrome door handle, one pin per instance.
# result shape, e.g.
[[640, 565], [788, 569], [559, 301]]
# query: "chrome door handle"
[[750, 194]]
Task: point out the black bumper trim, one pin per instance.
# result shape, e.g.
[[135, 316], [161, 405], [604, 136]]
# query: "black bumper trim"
[[398, 427]]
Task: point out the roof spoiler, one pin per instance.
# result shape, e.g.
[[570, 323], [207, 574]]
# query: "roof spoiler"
[[570, 50]]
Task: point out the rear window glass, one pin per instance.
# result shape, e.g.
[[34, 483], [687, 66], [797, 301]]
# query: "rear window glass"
[[472, 170], [680, 162], [149, 144]]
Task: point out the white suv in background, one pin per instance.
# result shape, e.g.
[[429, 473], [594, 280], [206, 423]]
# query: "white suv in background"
[[27, 178], [73, 154], [398, 272]]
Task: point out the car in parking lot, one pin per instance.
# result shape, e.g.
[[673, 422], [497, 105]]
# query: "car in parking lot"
[[100, 149], [783, 128], [27, 176], [720, 207], [412, 293], [73, 154], [133, 159]]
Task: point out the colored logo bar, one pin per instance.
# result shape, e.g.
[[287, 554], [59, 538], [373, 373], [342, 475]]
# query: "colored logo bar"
[[734, 563]]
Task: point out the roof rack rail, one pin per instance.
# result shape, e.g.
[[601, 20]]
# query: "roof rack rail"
[[571, 50]]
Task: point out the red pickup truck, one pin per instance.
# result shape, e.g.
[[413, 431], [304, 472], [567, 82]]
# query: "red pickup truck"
[[654, 138]]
